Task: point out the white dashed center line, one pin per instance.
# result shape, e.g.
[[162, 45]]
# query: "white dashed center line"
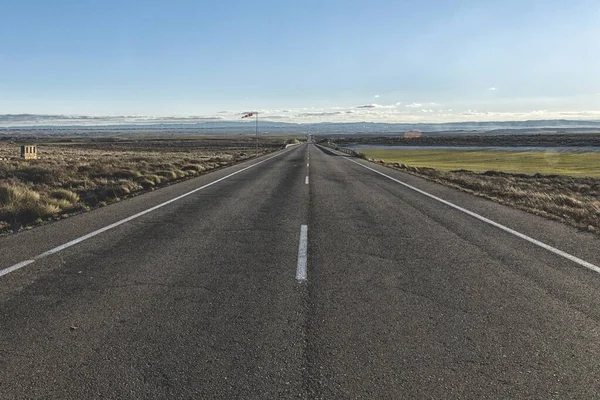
[[302, 254]]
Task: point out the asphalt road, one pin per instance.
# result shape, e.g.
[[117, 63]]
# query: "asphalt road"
[[404, 297]]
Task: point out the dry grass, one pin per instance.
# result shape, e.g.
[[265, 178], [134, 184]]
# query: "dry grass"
[[71, 177], [574, 200], [558, 185], [19, 203]]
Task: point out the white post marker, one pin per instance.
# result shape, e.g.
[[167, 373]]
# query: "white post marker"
[[302, 251]]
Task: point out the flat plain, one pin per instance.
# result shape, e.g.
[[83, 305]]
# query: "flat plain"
[[584, 164], [561, 183], [75, 174]]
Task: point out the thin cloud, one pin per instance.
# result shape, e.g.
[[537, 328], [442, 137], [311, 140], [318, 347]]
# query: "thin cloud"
[[414, 105], [374, 106], [376, 96], [319, 114], [492, 89], [277, 117]]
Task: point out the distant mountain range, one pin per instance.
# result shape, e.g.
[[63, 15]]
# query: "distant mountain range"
[[215, 125]]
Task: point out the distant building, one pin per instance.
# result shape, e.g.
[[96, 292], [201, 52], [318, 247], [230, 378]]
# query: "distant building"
[[29, 152], [412, 134]]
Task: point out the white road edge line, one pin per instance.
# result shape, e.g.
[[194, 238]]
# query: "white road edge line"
[[15, 267], [306, 180], [302, 250], [543, 245], [22, 264]]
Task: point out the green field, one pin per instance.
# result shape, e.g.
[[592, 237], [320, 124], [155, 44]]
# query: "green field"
[[526, 162]]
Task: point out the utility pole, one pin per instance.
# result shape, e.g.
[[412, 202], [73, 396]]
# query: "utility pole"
[[257, 134], [252, 114]]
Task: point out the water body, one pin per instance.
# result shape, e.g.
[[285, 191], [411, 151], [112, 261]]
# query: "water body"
[[563, 149]]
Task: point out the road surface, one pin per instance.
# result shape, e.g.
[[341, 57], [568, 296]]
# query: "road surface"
[[303, 274]]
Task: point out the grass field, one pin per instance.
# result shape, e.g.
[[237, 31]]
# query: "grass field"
[[560, 186], [77, 174], [523, 162]]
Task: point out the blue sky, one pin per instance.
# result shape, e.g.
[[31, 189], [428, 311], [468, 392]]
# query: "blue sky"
[[303, 60]]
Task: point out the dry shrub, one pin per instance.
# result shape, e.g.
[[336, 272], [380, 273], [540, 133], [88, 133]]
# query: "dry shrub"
[[129, 186], [568, 199], [192, 167], [167, 174], [144, 182], [49, 175], [126, 174], [64, 205], [116, 190], [76, 176], [79, 184], [19, 203], [162, 166], [154, 178], [4, 226], [12, 194], [64, 194]]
